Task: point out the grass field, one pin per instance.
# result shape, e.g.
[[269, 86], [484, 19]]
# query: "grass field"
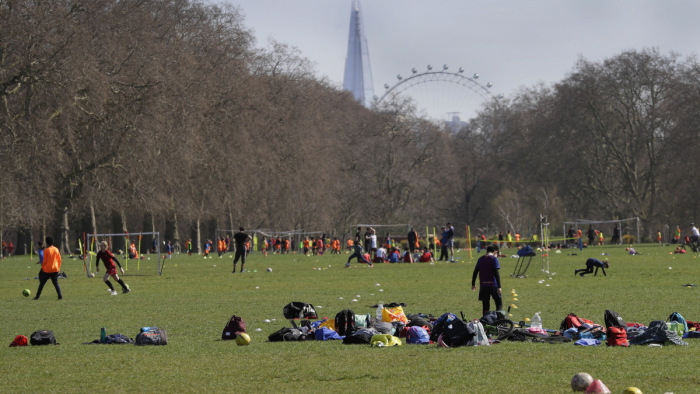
[[194, 299]]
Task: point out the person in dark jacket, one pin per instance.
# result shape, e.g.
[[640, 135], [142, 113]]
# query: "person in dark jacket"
[[590, 265]]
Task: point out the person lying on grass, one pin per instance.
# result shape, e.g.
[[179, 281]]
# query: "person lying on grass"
[[593, 263]]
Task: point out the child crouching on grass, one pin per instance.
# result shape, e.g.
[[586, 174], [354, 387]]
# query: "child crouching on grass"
[[108, 259]]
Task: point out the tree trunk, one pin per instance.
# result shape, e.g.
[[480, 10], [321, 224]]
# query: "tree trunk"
[[176, 233], [65, 244], [199, 237], [93, 219]]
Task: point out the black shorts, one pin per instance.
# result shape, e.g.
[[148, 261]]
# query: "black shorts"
[[486, 292]]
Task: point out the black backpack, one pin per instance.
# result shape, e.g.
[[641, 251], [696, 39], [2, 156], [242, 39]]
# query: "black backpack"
[[235, 326], [440, 324], [42, 337], [154, 336], [285, 334], [613, 319], [299, 310], [457, 333], [345, 322]]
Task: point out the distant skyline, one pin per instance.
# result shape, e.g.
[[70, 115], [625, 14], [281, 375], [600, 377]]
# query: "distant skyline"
[[512, 44]]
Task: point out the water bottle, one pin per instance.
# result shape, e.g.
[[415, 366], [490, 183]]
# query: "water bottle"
[[146, 329], [536, 321], [380, 307], [103, 335]]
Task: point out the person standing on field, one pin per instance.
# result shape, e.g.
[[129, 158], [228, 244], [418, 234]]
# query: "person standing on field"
[[50, 268], [487, 269], [241, 239], [450, 239], [111, 269]]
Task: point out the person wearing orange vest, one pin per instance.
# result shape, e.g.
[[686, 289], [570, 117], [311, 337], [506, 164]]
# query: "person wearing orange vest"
[[336, 246], [221, 246], [49, 268]]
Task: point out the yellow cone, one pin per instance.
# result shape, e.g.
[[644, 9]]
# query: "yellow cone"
[[515, 299], [526, 320], [514, 295], [513, 306]]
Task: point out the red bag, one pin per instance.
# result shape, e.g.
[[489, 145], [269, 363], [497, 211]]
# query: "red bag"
[[617, 336], [20, 340]]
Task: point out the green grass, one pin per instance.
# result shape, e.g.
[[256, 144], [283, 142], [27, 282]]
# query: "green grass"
[[194, 299]]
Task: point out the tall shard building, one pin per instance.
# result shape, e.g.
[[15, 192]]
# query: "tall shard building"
[[358, 73]]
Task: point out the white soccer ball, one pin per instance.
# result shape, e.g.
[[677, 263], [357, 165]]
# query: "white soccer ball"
[[269, 270], [581, 381], [91, 275]]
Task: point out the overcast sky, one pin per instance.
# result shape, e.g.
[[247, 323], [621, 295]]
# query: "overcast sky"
[[512, 43]]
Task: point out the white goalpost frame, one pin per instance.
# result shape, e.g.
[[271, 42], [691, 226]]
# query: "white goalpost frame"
[[90, 237], [578, 222]]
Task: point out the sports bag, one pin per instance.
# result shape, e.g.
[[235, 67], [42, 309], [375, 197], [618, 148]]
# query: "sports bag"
[[345, 322], [42, 337], [440, 325], [613, 319], [363, 320], [362, 336], [152, 336], [299, 310], [20, 340], [617, 336], [573, 321], [479, 338], [235, 326], [457, 333], [417, 336], [675, 316], [285, 334]]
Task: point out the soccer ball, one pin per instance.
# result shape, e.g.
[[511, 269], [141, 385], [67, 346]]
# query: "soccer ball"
[[91, 275], [242, 339], [269, 270], [581, 381], [632, 390], [26, 292]]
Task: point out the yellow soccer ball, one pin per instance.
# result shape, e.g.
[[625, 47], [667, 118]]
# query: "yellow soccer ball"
[[242, 339]]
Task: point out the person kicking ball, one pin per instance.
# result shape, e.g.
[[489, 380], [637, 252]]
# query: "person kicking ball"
[[108, 259]]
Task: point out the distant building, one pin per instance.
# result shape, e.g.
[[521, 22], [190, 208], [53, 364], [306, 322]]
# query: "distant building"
[[455, 124], [358, 72]]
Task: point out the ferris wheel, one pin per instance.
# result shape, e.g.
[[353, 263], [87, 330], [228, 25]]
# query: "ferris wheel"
[[441, 94]]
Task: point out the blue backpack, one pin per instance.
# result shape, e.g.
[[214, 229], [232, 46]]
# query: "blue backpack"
[[417, 336], [675, 316]]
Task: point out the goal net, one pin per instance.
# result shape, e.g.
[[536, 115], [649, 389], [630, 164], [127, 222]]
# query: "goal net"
[[614, 232], [130, 250]]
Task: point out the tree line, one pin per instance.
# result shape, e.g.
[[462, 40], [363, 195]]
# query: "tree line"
[[127, 116]]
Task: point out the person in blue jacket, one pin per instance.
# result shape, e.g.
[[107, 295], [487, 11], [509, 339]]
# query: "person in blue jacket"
[[590, 265]]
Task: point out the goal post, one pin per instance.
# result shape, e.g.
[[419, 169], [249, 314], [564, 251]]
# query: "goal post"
[[92, 246], [626, 227]]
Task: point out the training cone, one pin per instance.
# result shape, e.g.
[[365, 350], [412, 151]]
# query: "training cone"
[[598, 387]]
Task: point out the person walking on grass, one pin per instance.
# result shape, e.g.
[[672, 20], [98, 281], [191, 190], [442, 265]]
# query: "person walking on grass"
[[590, 265], [241, 239], [50, 266], [487, 269], [111, 269]]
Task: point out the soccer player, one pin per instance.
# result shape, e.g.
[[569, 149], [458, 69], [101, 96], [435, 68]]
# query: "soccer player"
[[359, 253], [593, 263], [487, 268], [50, 266], [241, 239], [111, 270]]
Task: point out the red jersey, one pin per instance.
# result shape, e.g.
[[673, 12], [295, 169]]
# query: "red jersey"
[[107, 258]]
